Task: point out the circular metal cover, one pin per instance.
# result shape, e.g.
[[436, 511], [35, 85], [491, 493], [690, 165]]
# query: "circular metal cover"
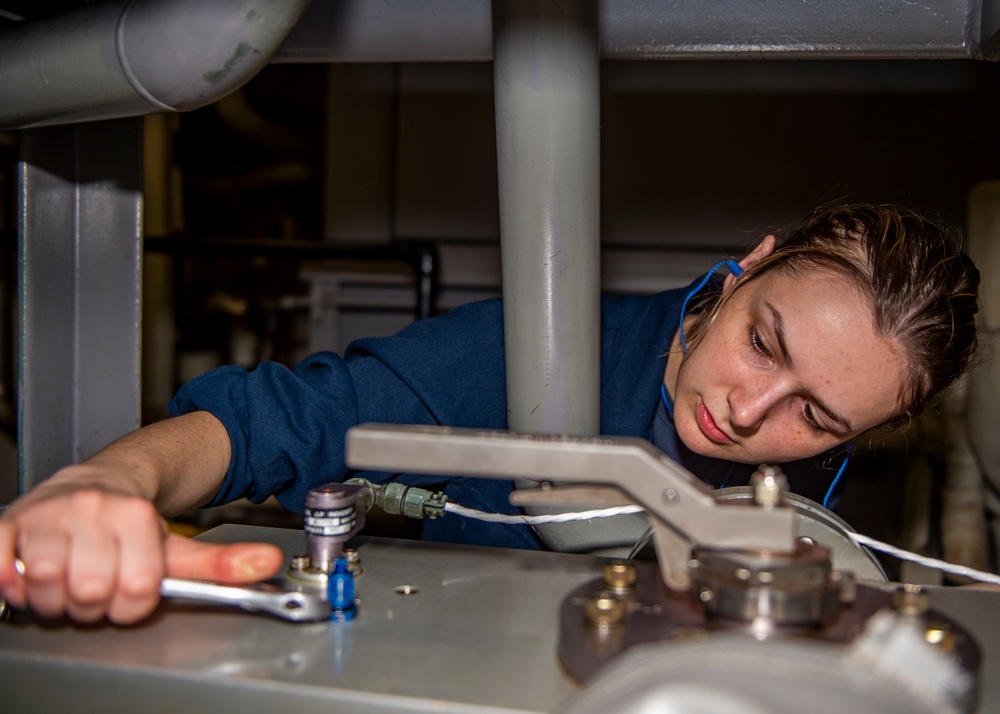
[[729, 674]]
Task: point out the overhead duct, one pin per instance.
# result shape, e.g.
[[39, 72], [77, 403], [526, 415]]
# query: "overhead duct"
[[133, 57]]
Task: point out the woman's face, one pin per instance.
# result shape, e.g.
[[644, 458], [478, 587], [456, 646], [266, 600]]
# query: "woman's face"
[[790, 367]]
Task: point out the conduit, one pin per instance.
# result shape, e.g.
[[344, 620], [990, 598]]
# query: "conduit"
[[133, 57]]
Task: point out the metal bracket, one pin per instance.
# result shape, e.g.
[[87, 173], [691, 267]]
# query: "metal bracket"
[[683, 511]]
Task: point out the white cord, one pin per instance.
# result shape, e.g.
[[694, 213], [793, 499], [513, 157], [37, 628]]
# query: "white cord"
[[942, 565], [858, 538], [453, 507]]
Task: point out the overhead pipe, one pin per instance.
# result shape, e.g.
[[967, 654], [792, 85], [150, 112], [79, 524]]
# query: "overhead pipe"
[[133, 57]]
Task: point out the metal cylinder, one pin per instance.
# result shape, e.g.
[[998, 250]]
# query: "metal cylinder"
[[547, 90], [547, 86]]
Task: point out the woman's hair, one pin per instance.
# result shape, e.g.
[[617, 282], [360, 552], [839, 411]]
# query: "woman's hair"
[[922, 288]]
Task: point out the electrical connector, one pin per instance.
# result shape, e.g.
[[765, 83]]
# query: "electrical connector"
[[398, 499]]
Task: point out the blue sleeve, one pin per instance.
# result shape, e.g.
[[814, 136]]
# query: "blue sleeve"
[[287, 426]]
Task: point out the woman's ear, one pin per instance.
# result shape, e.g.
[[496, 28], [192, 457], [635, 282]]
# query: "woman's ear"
[[763, 249]]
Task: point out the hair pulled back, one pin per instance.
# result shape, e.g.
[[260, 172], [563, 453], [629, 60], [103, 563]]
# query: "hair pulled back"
[[921, 287]]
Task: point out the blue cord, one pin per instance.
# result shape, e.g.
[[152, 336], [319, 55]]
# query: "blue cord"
[[734, 268], [836, 479], [666, 399]]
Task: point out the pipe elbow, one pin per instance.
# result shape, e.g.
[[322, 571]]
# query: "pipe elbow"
[[135, 57]]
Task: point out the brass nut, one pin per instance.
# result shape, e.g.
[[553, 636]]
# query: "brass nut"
[[603, 610], [941, 635], [620, 576]]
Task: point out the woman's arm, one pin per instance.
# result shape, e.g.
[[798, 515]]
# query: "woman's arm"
[[91, 537]]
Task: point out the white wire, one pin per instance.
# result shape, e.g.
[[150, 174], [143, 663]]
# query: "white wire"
[[453, 507], [858, 538], [942, 565]]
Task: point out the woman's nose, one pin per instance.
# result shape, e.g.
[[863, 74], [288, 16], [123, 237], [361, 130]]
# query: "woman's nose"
[[750, 404]]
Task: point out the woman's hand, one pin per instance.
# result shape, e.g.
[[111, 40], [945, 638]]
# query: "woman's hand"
[[92, 551], [92, 542]]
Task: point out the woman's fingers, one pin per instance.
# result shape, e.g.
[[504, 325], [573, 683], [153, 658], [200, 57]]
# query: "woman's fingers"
[[141, 564], [11, 583], [92, 553], [86, 553], [45, 581], [234, 564]]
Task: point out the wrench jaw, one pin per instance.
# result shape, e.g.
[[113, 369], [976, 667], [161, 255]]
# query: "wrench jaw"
[[289, 605], [302, 607]]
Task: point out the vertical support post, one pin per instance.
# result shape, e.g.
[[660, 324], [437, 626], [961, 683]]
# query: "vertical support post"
[[546, 73], [547, 84], [79, 277]]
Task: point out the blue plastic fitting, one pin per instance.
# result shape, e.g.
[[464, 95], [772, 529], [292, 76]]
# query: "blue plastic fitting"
[[340, 592]]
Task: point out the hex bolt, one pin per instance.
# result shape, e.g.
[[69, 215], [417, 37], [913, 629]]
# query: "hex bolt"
[[619, 576], [353, 561], [300, 563], [769, 486], [603, 610]]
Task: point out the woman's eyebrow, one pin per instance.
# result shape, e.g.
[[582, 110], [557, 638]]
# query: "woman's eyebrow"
[[778, 327]]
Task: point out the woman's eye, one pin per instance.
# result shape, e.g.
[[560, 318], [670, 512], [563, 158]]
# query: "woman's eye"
[[810, 418], [756, 343]]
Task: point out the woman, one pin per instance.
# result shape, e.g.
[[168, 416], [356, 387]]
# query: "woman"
[[855, 322]]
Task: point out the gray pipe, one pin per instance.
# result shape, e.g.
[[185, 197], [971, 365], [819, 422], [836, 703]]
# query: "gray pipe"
[[547, 84], [547, 90], [134, 57]]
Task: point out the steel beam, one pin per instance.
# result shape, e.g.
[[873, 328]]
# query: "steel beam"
[[459, 30], [79, 269]]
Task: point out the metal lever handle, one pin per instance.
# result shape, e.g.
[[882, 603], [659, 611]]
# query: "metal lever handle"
[[286, 604], [662, 486]]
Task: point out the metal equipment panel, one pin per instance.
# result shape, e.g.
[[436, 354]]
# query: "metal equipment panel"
[[79, 282]]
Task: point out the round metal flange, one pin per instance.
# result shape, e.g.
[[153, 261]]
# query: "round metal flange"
[[651, 612]]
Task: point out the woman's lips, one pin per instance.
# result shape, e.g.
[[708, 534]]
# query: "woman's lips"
[[708, 426]]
